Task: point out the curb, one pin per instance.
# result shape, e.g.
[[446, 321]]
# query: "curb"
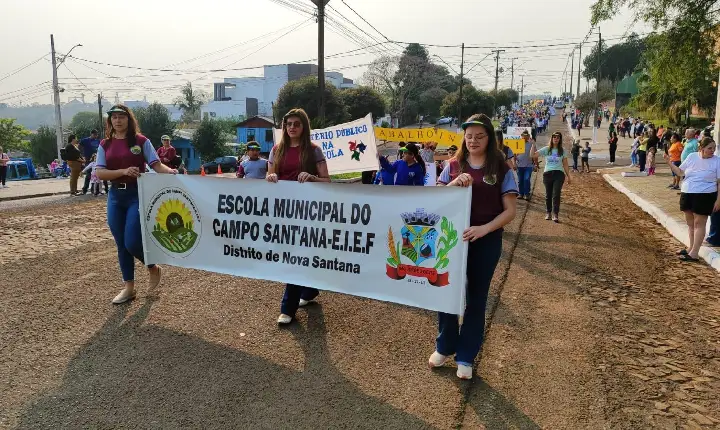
[[678, 230], [31, 196]]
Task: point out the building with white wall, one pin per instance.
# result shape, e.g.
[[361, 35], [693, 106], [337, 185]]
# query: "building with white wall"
[[252, 96]]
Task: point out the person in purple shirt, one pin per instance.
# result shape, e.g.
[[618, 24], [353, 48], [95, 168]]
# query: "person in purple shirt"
[[121, 159], [410, 170], [480, 165]]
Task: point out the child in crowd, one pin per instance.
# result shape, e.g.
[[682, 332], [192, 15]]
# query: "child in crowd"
[[586, 158], [651, 160], [575, 151], [94, 180], [634, 162]]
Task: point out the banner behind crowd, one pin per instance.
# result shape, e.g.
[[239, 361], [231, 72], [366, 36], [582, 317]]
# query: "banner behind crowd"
[[437, 135], [348, 147], [398, 244]]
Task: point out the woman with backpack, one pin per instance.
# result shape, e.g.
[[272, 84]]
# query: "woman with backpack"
[[121, 159]]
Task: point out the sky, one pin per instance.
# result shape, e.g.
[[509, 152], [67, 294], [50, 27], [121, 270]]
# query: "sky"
[[193, 38]]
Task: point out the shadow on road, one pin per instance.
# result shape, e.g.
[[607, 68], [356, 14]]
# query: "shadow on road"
[[132, 375], [495, 411]]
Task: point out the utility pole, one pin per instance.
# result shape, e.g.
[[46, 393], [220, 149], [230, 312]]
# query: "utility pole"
[[100, 116], [522, 89], [572, 71], [321, 55], [497, 66], [512, 71], [717, 117], [56, 98], [577, 93], [460, 98], [596, 127]]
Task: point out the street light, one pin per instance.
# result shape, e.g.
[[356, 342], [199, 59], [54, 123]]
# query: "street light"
[[56, 62]]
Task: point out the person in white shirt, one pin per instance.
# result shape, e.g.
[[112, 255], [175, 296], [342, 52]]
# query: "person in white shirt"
[[698, 193]]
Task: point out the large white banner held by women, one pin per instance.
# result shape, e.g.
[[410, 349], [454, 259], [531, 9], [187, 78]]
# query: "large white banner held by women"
[[398, 244], [348, 147]]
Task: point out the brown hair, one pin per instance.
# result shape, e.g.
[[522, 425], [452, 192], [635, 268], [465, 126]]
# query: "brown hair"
[[132, 130], [308, 163], [413, 150], [494, 159], [705, 142], [500, 140], [559, 146]]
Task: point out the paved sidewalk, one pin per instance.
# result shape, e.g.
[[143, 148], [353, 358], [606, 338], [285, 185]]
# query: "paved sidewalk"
[[651, 194], [36, 188]]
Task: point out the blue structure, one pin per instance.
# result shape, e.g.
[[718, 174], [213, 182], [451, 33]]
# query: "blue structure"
[[259, 129], [182, 142], [20, 169]]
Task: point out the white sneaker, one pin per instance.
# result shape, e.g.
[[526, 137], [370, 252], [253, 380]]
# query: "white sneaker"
[[464, 371], [304, 302], [125, 295], [437, 360], [284, 319], [547, 216]]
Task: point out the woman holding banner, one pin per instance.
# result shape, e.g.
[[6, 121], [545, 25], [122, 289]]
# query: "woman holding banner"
[[296, 158], [121, 159], [478, 163]]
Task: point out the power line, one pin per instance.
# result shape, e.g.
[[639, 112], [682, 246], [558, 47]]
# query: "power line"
[[16, 71]]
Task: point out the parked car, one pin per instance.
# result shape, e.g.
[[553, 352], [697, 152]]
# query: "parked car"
[[228, 164], [446, 120]]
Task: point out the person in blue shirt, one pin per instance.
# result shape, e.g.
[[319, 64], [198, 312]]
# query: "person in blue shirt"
[[383, 177], [89, 147], [409, 170]]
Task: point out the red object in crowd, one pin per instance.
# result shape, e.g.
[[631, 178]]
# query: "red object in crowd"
[[202, 171]]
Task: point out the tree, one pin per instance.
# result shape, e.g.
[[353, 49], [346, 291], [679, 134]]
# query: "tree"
[[190, 102], [303, 93], [505, 97], [616, 61], [154, 121], [431, 100], [208, 140], [83, 123], [12, 135], [43, 146], [363, 100], [228, 124], [474, 101]]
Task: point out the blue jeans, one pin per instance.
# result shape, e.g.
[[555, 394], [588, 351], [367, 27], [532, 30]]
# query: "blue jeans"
[[714, 235], [291, 298], [634, 158], [465, 341], [124, 222], [524, 175]]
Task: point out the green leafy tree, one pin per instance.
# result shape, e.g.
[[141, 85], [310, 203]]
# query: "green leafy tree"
[[12, 136], [190, 102], [431, 100], [229, 124], [208, 140], [43, 146], [154, 121], [505, 97], [83, 123], [363, 100], [303, 93], [616, 61], [474, 101]]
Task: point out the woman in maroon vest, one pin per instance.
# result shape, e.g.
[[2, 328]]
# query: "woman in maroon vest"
[[121, 159], [296, 158], [480, 164]]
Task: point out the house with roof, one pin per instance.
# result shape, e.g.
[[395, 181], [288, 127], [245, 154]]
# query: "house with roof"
[[259, 129]]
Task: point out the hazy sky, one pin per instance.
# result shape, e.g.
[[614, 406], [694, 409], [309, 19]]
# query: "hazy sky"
[[249, 33]]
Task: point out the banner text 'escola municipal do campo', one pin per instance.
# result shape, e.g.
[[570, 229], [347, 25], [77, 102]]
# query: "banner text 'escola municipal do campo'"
[[397, 244]]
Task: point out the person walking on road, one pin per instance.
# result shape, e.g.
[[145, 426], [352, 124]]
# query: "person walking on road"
[[480, 165], [121, 159], [613, 142], [89, 147], [409, 170], [525, 166], [4, 160], [254, 167], [166, 153], [296, 158], [73, 156], [556, 173], [699, 196]]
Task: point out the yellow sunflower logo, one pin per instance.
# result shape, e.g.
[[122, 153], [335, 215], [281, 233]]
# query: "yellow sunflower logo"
[[174, 227]]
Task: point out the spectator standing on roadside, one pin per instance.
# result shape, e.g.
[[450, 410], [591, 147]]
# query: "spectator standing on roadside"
[[612, 142], [4, 159], [699, 194], [575, 151], [167, 153], [89, 147], [674, 153], [585, 156], [74, 160], [714, 234], [691, 143]]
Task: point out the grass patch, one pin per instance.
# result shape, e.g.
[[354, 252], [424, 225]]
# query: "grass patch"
[[351, 175]]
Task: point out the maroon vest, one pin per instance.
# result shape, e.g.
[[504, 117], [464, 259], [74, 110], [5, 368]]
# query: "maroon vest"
[[118, 155], [486, 203]]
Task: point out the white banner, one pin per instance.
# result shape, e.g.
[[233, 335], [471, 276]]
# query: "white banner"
[[517, 131], [430, 174], [348, 147], [397, 244]]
